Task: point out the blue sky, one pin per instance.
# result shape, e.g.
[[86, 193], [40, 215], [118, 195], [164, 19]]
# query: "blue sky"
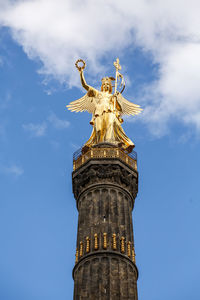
[[39, 44]]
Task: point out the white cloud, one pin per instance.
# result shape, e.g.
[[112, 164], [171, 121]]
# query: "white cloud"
[[58, 123], [39, 130], [59, 32], [13, 170], [36, 130]]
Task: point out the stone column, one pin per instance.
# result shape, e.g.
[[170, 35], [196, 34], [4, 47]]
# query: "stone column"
[[105, 191]]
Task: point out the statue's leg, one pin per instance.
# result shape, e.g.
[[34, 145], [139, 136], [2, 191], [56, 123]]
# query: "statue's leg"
[[109, 135]]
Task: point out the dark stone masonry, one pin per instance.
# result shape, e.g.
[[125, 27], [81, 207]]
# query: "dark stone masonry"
[[105, 190]]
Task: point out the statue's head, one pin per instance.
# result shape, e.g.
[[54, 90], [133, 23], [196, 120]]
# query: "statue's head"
[[106, 85]]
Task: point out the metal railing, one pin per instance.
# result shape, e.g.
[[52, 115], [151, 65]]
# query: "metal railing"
[[79, 158]]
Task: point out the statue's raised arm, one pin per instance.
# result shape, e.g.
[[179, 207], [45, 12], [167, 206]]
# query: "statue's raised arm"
[[86, 103], [80, 69], [83, 81]]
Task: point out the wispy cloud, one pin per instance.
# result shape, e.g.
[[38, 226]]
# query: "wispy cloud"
[[40, 130], [59, 32], [36, 130], [58, 123], [13, 170]]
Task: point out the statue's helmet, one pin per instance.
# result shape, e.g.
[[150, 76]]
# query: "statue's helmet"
[[107, 81]]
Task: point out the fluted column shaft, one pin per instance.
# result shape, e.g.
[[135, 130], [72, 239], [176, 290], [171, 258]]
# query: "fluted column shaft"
[[105, 268]]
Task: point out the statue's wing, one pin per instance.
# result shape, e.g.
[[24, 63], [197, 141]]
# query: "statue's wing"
[[127, 107], [86, 103]]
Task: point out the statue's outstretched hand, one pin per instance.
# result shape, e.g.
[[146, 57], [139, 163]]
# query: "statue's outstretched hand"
[[80, 67]]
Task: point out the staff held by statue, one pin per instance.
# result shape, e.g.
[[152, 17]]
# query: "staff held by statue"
[[118, 76]]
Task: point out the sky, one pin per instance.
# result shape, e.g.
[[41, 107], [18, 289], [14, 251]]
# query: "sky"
[[158, 44]]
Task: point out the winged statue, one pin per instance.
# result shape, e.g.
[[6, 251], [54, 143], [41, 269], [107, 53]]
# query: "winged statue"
[[107, 109]]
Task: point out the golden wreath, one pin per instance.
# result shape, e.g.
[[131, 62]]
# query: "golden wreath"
[[80, 67]]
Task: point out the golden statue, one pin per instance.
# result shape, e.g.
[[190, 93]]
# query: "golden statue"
[[107, 109]]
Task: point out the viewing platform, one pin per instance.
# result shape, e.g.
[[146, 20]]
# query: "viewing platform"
[[104, 150]]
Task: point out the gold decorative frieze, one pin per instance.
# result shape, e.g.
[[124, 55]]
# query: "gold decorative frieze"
[[130, 250]]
